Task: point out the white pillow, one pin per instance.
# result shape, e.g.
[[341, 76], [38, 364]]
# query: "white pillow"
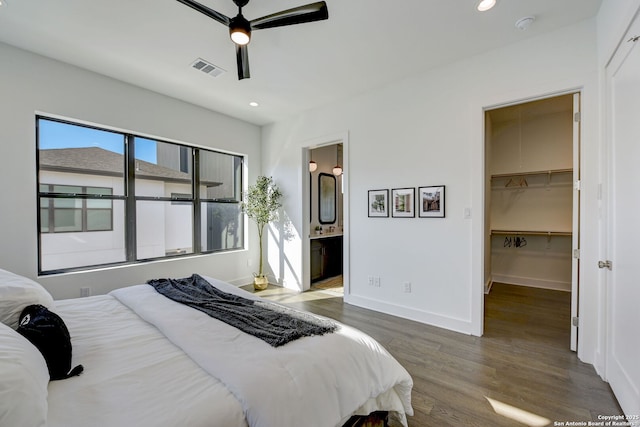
[[24, 380], [17, 292]]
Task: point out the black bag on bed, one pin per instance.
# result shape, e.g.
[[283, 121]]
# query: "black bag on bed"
[[47, 331]]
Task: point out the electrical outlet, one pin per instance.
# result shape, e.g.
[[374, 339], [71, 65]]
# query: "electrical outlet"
[[376, 281], [85, 292], [407, 287]]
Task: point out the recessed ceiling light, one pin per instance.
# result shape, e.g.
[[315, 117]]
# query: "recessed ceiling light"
[[485, 5], [252, 103], [3, 3]]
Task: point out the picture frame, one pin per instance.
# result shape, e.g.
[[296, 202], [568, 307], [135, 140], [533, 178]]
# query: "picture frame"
[[403, 202], [431, 201], [378, 203]]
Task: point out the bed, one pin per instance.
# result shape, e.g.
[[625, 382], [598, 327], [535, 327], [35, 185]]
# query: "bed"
[[151, 361]]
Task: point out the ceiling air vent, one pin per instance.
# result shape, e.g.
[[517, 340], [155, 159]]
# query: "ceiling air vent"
[[208, 67]]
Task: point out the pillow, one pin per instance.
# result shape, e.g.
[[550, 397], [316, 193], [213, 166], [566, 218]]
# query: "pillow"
[[17, 292], [23, 388]]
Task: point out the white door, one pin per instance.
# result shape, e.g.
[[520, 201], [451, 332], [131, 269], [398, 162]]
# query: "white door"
[[623, 279]]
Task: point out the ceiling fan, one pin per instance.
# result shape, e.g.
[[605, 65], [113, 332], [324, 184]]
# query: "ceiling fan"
[[240, 28]]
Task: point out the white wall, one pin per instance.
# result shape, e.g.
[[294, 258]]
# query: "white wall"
[[29, 84], [429, 130]]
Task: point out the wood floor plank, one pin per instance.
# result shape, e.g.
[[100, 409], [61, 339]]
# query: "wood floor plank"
[[522, 362]]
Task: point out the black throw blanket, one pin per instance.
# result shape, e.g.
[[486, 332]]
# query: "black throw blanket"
[[274, 324]]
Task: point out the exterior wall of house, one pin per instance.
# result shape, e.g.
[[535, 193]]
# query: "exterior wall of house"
[[429, 130], [32, 84], [64, 250]]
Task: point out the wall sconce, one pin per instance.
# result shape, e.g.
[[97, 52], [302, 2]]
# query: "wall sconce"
[[337, 169], [312, 165]]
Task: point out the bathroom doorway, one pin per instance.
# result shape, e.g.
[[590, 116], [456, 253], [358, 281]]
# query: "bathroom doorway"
[[326, 218]]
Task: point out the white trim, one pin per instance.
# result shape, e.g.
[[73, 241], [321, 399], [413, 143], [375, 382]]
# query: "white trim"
[[531, 282], [432, 319], [488, 285]]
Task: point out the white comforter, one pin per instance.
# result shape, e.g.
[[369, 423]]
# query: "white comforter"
[[152, 374], [314, 381], [133, 375]]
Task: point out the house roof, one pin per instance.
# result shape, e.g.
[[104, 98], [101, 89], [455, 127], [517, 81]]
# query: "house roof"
[[98, 161]]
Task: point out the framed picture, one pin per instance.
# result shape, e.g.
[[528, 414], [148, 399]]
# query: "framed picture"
[[403, 203], [431, 202], [378, 203]]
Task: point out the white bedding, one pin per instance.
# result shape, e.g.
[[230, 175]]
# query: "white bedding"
[[133, 375], [150, 361]]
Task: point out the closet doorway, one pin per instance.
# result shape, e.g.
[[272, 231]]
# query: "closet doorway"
[[532, 191]]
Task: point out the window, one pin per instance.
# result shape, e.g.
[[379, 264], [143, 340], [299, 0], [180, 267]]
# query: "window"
[[107, 197], [59, 215]]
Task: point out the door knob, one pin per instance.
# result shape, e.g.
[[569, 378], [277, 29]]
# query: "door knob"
[[605, 264]]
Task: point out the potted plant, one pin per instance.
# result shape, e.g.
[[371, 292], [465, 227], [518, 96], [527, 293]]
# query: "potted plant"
[[261, 204]]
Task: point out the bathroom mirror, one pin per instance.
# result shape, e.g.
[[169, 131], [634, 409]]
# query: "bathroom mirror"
[[326, 198]]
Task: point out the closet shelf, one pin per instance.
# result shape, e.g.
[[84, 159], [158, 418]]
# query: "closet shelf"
[[545, 172], [531, 233]]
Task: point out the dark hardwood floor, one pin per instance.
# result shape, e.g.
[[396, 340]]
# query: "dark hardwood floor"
[[521, 372]]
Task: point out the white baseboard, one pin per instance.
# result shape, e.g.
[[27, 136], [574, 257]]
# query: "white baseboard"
[[532, 282], [440, 321], [487, 286], [623, 387], [241, 281], [247, 280]]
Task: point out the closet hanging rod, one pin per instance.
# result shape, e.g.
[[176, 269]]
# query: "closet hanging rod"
[[531, 233], [546, 172]]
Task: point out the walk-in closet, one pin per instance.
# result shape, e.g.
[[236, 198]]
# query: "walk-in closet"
[[532, 196]]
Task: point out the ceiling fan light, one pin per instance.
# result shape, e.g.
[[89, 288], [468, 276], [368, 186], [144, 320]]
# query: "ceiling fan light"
[[485, 5], [240, 30], [239, 37]]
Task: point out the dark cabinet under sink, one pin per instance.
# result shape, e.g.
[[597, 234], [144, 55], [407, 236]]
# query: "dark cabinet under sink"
[[326, 257]]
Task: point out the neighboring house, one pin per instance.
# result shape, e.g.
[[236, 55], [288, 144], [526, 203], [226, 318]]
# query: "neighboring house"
[[100, 223]]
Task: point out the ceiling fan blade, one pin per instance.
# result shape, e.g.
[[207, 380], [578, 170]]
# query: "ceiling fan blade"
[[223, 19], [242, 58], [298, 15]]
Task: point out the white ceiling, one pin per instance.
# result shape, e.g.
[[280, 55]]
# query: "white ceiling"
[[364, 44]]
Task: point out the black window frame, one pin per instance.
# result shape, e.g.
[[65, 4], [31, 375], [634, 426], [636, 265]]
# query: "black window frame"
[[130, 199], [84, 209]]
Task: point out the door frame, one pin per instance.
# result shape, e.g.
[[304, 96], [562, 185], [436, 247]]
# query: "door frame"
[[307, 146], [575, 267]]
